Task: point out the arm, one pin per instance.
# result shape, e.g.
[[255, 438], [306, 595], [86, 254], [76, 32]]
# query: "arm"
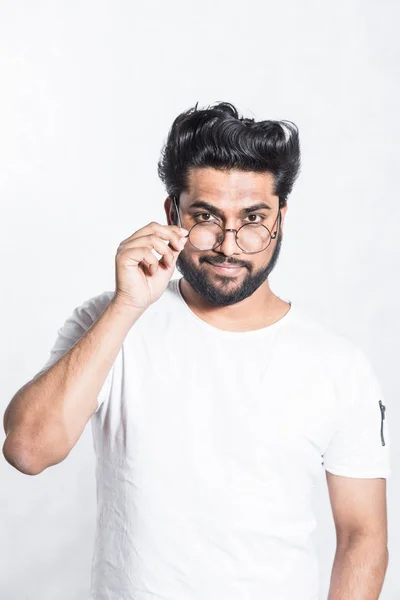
[[47, 416], [360, 516]]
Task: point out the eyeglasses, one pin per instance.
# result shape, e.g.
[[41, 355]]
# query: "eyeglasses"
[[250, 237]]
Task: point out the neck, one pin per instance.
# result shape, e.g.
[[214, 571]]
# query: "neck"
[[259, 310]]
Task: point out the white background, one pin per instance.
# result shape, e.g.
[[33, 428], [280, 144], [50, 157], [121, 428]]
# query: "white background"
[[89, 90]]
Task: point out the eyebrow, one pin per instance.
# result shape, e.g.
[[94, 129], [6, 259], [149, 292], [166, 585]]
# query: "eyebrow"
[[217, 211]]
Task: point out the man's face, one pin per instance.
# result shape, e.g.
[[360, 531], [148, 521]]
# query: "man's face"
[[229, 193]]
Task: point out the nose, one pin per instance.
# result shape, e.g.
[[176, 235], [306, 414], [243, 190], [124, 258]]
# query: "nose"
[[229, 245]]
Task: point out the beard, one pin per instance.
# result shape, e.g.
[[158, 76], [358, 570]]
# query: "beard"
[[218, 295]]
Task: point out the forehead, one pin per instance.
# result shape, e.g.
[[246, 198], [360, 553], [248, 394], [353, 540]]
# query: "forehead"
[[227, 186]]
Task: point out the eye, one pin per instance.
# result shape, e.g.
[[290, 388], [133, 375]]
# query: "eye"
[[254, 215], [201, 215], [209, 214], [262, 218]]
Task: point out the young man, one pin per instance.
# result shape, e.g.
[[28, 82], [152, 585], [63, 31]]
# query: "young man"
[[213, 402]]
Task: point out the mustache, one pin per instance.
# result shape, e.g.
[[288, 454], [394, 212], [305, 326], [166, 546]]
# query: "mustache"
[[225, 262]]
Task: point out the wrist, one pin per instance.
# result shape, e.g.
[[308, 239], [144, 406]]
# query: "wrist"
[[123, 309]]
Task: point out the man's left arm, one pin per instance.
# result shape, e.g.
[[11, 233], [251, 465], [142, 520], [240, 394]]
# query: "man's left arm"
[[360, 516], [357, 465]]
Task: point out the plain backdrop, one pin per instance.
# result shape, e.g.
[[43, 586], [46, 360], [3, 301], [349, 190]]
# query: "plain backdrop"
[[89, 90]]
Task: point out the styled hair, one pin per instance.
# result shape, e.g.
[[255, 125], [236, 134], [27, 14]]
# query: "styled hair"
[[218, 137]]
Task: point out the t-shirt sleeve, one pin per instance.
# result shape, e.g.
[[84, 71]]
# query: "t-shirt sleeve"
[[361, 445], [79, 321]]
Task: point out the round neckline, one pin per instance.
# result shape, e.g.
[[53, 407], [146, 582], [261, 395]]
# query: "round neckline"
[[269, 329]]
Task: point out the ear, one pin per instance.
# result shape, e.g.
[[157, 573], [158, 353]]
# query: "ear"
[[283, 214], [170, 211]]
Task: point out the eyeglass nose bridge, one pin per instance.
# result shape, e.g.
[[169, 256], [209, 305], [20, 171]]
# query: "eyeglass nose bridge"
[[224, 230]]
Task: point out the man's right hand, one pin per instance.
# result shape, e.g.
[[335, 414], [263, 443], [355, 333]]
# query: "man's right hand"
[[140, 277]]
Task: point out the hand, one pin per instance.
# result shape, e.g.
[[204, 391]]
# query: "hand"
[[140, 277]]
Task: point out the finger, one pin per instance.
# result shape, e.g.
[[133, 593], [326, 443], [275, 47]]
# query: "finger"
[[137, 255], [153, 241], [167, 232]]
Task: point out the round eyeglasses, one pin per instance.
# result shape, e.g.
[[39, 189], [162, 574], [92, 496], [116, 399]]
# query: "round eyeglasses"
[[250, 237]]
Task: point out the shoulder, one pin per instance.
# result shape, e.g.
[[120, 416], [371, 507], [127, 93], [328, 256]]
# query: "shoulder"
[[91, 308], [99, 301], [321, 344]]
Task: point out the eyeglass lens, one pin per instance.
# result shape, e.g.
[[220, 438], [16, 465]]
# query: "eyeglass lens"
[[252, 237]]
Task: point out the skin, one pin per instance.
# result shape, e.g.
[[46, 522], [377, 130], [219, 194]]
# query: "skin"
[[245, 301], [360, 516]]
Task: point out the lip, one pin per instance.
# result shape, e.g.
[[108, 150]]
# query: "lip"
[[226, 270]]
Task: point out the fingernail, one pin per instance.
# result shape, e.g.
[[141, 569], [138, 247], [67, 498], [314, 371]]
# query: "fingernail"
[[184, 230]]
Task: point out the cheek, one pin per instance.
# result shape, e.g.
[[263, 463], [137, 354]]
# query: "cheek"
[[189, 255], [259, 264]]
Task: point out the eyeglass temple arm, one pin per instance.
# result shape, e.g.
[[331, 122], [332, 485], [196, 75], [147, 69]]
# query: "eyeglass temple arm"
[[177, 211]]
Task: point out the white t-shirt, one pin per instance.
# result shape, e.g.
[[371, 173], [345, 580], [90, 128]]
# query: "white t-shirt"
[[208, 444]]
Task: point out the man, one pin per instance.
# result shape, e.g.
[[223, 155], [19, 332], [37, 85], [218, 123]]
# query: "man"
[[214, 403]]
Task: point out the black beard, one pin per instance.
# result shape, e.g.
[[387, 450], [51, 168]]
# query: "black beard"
[[215, 295]]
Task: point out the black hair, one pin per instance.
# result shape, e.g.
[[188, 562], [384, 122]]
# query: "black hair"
[[218, 137]]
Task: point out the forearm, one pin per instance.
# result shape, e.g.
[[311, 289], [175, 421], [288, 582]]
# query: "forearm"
[[46, 417], [359, 569]]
